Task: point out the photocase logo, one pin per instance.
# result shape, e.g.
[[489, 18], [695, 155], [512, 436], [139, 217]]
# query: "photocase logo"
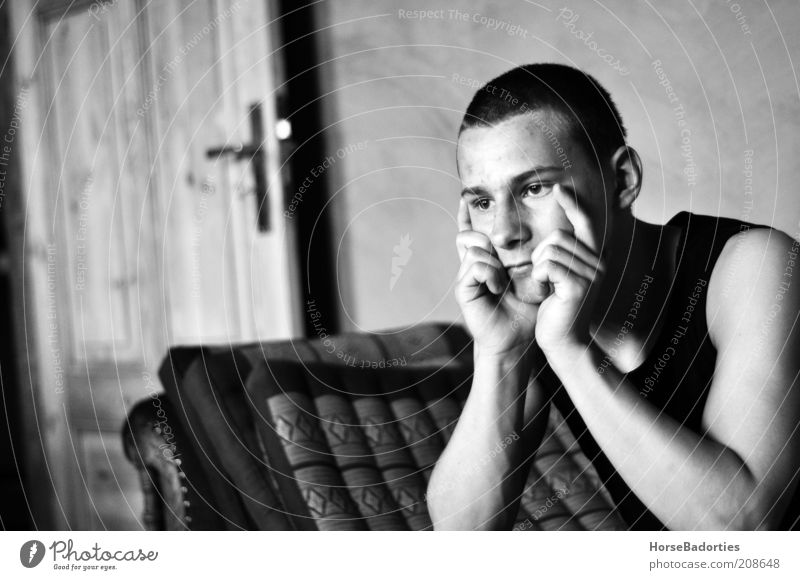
[[31, 553], [402, 254]]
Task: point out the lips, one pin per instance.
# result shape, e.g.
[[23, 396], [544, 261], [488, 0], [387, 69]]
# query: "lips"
[[520, 270]]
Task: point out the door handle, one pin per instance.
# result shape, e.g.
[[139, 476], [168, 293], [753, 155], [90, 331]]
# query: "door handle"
[[254, 152]]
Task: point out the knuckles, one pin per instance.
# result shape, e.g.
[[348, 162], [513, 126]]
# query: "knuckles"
[[545, 267], [562, 235], [472, 238], [474, 252], [477, 270], [550, 253]]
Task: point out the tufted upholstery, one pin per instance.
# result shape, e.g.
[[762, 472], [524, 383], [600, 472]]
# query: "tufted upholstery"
[[334, 434]]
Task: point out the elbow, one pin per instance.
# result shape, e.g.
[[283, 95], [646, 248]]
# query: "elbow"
[[447, 518], [455, 518], [436, 499], [438, 515], [447, 514], [747, 523], [751, 506], [762, 520], [453, 506], [763, 510], [754, 515]]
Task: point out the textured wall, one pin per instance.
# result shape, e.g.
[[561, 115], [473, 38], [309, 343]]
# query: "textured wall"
[[398, 85]]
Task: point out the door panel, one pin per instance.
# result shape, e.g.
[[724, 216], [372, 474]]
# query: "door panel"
[[208, 63], [87, 195], [152, 242], [185, 100]]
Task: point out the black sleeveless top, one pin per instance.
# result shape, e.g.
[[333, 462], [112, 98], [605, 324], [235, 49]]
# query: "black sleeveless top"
[[677, 373]]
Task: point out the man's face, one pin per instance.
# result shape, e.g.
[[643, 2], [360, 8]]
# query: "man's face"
[[508, 172]]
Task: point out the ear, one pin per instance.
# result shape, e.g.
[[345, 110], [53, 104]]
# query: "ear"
[[627, 167]]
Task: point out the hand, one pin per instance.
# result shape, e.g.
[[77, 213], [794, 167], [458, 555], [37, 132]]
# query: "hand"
[[500, 323], [569, 263]]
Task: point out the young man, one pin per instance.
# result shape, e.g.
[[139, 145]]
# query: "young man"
[[672, 351]]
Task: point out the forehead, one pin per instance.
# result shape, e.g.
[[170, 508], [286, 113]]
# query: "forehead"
[[513, 146]]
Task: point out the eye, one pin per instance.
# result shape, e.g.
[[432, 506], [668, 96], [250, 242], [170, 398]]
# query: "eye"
[[481, 203], [537, 189]]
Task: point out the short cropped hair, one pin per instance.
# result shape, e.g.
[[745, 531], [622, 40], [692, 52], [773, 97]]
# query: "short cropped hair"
[[583, 106]]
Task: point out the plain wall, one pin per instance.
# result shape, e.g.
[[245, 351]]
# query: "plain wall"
[[398, 86]]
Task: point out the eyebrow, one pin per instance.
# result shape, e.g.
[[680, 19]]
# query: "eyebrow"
[[524, 176]]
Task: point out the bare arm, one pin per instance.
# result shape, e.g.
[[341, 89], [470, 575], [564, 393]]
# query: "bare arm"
[[480, 476], [739, 473], [477, 481]]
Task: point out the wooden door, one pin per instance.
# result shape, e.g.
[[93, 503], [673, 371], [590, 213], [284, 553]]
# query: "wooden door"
[[135, 237]]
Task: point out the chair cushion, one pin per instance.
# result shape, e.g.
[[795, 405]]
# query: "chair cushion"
[[353, 448]]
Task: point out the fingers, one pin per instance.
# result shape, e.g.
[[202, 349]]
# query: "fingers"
[[566, 283], [478, 275], [564, 264], [479, 267], [478, 254], [464, 221], [561, 245], [579, 219], [573, 264], [468, 238], [541, 289]]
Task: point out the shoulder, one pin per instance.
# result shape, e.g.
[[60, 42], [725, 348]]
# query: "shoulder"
[[755, 274]]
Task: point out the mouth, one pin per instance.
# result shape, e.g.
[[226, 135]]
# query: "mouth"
[[520, 270]]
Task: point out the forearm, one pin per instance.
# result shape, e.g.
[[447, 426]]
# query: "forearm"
[[478, 478], [688, 481]]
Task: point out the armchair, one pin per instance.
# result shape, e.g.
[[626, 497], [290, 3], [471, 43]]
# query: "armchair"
[[339, 433]]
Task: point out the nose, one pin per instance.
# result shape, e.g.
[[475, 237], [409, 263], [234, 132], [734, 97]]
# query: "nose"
[[510, 228]]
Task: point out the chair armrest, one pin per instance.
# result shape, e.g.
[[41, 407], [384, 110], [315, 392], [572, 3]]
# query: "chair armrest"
[[175, 491]]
